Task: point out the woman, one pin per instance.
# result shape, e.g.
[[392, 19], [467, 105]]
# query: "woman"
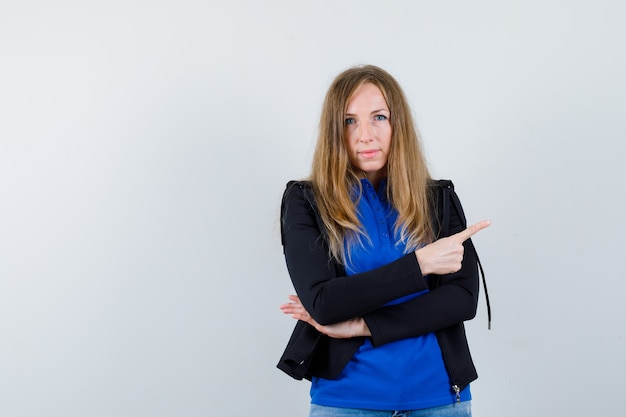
[[381, 263]]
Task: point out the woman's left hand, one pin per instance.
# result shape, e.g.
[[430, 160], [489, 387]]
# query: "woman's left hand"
[[343, 330]]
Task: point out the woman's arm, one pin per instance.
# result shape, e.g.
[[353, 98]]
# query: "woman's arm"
[[453, 300], [328, 297], [389, 322]]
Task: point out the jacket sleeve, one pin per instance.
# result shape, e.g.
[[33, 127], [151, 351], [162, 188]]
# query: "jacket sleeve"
[[453, 298], [328, 295]]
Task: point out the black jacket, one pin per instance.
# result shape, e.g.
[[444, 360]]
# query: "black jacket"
[[331, 297]]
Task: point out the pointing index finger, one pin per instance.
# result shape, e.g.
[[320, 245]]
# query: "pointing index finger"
[[471, 231]]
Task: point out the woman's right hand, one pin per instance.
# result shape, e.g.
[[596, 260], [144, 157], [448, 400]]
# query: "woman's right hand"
[[445, 256], [344, 330]]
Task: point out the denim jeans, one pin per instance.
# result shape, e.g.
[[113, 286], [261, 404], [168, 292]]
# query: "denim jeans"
[[462, 409]]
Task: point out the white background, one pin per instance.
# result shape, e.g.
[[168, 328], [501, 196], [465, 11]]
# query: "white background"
[[145, 145]]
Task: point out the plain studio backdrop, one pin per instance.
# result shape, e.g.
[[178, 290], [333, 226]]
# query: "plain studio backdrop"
[[145, 145]]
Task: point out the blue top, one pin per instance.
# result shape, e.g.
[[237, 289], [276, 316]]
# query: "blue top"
[[408, 374]]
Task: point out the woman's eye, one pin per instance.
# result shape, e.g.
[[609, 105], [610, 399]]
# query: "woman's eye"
[[349, 121], [380, 117]]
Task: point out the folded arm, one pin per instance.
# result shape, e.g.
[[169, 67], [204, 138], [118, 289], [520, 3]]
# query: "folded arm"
[[354, 305], [328, 299]]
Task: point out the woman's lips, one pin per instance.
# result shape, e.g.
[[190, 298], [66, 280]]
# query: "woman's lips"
[[369, 154]]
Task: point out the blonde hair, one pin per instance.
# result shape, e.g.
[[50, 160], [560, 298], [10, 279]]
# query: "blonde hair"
[[335, 179]]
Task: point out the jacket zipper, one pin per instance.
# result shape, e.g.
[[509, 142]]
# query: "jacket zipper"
[[457, 392]]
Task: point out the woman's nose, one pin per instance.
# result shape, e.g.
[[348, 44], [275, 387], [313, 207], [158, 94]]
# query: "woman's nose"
[[365, 132]]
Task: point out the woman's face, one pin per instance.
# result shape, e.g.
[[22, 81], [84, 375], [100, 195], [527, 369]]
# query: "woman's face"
[[368, 132]]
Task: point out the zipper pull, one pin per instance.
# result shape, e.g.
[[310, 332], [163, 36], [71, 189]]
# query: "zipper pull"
[[457, 393]]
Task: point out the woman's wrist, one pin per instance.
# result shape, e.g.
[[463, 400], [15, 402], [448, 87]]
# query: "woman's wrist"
[[421, 261], [363, 329]]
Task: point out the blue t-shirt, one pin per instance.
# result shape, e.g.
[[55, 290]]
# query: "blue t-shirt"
[[408, 374]]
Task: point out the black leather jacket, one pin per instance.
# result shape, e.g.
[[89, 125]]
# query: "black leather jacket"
[[330, 297]]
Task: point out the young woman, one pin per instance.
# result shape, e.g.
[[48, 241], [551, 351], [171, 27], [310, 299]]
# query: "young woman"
[[381, 261]]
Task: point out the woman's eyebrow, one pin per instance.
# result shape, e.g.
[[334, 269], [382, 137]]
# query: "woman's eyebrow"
[[373, 111]]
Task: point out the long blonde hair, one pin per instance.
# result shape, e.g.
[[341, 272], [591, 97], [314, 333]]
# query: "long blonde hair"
[[334, 178]]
